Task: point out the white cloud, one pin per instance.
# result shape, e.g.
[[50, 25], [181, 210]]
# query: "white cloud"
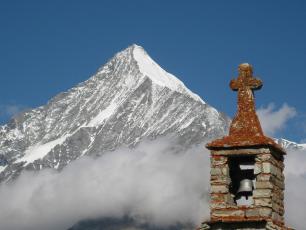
[[157, 183], [273, 120], [295, 199], [11, 110]]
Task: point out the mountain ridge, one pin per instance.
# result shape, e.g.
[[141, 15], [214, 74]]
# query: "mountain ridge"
[[286, 144], [128, 99]]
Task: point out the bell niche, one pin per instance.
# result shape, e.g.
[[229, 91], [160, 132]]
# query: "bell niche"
[[246, 176], [242, 179]]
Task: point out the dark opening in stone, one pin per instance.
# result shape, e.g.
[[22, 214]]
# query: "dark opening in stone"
[[242, 177]]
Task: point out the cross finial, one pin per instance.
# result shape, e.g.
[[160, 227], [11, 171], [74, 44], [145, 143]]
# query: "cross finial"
[[245, 78], [245, 129], [245, 121]]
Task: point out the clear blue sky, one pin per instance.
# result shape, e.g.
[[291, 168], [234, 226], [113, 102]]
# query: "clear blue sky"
[[49, 46]]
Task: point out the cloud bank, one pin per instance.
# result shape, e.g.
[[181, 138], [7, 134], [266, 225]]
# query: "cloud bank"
[[273, 120], [157, 183]]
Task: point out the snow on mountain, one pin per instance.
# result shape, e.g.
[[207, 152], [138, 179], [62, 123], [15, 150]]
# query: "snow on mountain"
[[151, 69], [290, 145], [130, 98]]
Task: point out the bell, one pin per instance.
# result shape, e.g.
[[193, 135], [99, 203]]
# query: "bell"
[[246, 185]]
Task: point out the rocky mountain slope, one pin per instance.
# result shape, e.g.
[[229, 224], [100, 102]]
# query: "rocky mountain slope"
[[129, 98]]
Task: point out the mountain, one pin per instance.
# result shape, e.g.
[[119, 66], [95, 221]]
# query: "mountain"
[[129, 98], [290, 145], [122, 224]]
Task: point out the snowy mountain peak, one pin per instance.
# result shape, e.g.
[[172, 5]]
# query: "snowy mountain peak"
[[150, 69], [129, 99]]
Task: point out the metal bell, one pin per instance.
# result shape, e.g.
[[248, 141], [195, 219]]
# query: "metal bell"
[[246, 185]]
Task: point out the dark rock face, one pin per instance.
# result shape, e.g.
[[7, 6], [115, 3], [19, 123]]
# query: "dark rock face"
[[128, 99], [122, 224], [260, 225]]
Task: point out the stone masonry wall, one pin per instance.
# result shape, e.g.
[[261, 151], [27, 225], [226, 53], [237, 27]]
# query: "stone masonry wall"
[[268, 194]]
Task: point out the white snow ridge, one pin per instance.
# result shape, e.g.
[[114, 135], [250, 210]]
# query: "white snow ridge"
[[151, 69]]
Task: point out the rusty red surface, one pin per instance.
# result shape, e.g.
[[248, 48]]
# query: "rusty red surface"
[[245, 129]]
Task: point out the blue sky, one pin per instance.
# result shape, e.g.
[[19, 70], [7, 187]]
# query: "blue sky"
[[47, 47]]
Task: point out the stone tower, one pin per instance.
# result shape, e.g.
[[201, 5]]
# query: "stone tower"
[[247, 180]]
